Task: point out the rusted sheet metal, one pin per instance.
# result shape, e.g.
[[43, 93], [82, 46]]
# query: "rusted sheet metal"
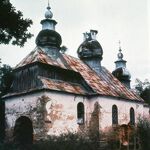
[[104, 83], [62, 86], [38, 55]]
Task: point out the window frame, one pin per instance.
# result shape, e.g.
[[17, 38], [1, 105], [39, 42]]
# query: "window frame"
[[80, 113], [132, 116], [114, 115]]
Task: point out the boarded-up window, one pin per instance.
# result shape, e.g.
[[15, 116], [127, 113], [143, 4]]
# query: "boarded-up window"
[[132, 116], [80, 113], [114, 115]]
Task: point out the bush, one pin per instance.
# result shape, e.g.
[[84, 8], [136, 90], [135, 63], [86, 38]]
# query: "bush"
[[7, 146], [113, 138], [63, 142], [143, 127]]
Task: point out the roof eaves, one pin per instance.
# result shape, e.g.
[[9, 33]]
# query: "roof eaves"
[[35, 91]]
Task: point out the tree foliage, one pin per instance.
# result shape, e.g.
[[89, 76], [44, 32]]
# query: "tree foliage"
[[143, 89], [13, 27], [63, 142], [5, 79], [5, 84], [143, 127]]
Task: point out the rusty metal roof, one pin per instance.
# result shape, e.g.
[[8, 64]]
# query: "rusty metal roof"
[[104, 83], [38, 55], [62, 86]]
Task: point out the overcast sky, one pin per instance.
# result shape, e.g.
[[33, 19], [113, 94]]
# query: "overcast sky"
[[124, 20]]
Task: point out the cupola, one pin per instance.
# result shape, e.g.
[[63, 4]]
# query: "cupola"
[[121, 72], [90, 51], [48, 37]]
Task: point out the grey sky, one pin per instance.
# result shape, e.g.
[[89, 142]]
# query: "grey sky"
[[124, 20]]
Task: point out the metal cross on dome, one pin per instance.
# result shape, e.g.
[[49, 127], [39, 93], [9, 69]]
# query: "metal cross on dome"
[[48, 3], [48, 7], [119, 46]]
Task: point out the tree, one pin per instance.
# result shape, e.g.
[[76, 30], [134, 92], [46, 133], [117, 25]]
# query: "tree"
[[143, 130], [143, 89], [6, 78], [13, 27]]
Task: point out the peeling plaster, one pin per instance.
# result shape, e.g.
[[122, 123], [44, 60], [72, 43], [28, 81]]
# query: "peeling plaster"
[[53, 113]]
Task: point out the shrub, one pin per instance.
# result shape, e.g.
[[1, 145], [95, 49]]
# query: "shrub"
[[113, 138], [143, 128], [63, 142]]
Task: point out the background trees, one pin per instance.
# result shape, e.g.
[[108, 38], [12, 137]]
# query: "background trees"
[[143, 89], [5, 79], [13, 27], [5, 84]]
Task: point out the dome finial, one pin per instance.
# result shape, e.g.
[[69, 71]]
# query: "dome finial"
[[48, 13], [48, 7], [119, 45], [120, 55]]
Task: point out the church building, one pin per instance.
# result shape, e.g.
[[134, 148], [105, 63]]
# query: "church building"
[[56, 93]]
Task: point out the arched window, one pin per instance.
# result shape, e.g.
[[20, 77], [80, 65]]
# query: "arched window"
[[132, 116], [80, 113], [114, 115]]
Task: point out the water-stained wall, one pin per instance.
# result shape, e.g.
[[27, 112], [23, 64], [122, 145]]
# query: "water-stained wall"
[[51, 113], [55, 113], [124, 106]]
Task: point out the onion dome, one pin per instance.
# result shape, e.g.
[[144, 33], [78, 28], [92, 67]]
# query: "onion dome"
[[48, 36], [90, 48], [121, 72]]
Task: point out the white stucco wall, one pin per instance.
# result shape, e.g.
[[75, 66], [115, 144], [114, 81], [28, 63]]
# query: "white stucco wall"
[[123, 106], [60, 111], [65, 112], [18, 106]]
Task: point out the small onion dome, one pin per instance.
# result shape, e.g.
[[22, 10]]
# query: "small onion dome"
[[122, 73], [48, 13], [90, 48], [48, 38]]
